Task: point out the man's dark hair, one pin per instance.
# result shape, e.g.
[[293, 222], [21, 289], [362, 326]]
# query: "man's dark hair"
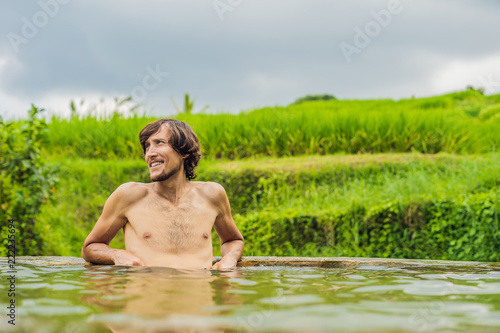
[[182, 139]]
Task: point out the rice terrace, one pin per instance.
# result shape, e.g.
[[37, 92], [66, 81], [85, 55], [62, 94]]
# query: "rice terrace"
[[415, 178]]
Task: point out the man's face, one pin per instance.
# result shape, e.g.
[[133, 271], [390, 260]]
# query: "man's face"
[[163, 161]]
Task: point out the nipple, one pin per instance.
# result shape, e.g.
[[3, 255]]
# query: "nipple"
[[146, 235], [205, 235]]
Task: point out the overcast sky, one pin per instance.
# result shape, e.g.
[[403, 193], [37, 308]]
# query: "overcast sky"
[[238, 54]]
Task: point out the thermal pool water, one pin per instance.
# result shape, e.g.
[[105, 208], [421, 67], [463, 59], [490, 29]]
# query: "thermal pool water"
[[76, 298]]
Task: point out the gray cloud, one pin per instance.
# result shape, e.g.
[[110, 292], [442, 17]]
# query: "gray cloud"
[[262, 53]]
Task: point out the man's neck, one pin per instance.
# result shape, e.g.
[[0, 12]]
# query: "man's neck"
[[173, 188]]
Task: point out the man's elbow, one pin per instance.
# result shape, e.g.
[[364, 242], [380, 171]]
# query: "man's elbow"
[[234, 243], [85, 253], [239, 239]]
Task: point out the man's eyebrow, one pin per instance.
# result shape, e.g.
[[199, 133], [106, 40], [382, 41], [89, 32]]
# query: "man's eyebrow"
[[155, 139]]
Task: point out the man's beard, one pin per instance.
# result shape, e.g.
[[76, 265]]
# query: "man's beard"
[[164, 176]]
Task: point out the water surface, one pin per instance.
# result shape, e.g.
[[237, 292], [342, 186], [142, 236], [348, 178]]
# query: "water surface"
[[81, 298]]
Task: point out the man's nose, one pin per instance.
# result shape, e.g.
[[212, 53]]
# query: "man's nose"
[[151, 152]]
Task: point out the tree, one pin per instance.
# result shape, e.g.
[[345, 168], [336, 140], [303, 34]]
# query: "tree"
[[188, 105], [310, 98]]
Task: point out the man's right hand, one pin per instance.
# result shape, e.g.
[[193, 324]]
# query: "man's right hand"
[[124, 258]]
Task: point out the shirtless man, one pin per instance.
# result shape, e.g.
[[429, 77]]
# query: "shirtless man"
[[167, 222]]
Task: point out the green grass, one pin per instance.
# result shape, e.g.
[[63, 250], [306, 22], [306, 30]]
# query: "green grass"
[[414, 178], [456, 123], [269, 194]]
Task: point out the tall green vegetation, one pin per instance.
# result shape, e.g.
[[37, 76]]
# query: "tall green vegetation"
[[388, 205], [26, 180], [415, 178], [450, 123]]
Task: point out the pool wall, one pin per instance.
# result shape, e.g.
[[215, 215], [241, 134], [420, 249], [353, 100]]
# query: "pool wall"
[[337, 262]]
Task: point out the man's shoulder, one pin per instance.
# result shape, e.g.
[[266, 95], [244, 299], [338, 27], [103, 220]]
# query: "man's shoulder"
[[134, 186], [211, 190], [131, 192], [209, 186]]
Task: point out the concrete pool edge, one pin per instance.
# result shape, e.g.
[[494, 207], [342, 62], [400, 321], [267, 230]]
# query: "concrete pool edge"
[[331, 262]]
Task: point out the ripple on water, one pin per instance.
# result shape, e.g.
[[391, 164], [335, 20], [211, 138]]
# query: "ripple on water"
[[37, 285], [294, 280], [243, 282], [305, 276], [367, 298], [51, 310], [64, 286], [291, 300], [434, 288], [374, 268], [238, 291], [464, 277], [431, 308]]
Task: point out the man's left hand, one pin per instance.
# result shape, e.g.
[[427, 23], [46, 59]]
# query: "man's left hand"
[[225, 263]]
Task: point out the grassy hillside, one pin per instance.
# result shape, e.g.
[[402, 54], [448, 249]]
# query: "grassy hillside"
[[389, 205], [464, 122], [415, 178]]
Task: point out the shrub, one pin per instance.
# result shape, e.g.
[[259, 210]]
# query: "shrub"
[[26, 180]]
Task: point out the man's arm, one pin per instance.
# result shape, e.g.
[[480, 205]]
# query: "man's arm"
[[232, 242], [96, 247]]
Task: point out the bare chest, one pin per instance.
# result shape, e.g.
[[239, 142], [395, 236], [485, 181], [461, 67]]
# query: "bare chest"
[[169, 227]]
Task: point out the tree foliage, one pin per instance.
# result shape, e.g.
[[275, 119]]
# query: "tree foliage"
[[309, 98], [26, 180]]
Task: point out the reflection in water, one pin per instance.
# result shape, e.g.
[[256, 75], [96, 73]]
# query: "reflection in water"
[[130, 295]]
